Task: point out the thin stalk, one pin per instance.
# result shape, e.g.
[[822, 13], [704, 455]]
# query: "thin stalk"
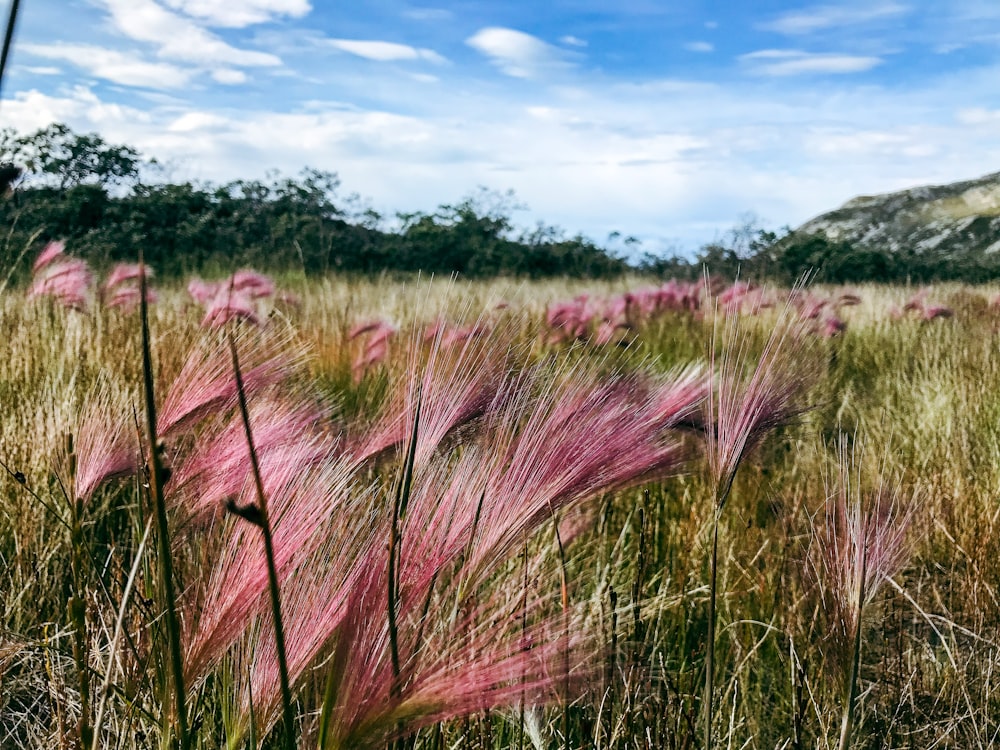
[[8, 37], [524, 631], [119, 628], [709, 697], [399, 504], [564, 591], [640, 571], [851, 693], [162, 529], [77, 605], [24, 250], [263, 521], [612, 666], [19, 477]]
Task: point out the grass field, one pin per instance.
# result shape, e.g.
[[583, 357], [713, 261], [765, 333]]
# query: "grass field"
[[491, 531]]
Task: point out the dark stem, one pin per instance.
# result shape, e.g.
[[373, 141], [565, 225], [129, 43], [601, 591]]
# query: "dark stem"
[[398, 509], [8, 37], [160, 507], [272, 571]]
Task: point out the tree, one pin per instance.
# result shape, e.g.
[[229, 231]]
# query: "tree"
[[58, 157]]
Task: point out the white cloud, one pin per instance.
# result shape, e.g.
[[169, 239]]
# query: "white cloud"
[[978, 116], [80, 107], [516, 53], [830, 16], [240, 13], [897, 144], [663, 158], [229, 76], [572, 41], [118, 67], [779, 62], [177, 37], [190, 122], [428, 14], [699, 47], [30, 110], [384, 51], [41, 70]]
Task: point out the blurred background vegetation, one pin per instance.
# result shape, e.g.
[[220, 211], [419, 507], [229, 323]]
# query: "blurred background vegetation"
[[107, 200]]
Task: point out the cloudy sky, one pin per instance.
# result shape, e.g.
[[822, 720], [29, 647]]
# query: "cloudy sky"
[[667, 120]]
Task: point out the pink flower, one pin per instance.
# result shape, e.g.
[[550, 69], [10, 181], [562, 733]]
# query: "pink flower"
[[863, 542], [376, 335], [743, 408], [67, 280], [251, 283], [50, 252], [103, 445], [203, 292], [123, 272], [833, 326], [205, 383], [228, 306], [933, 312]]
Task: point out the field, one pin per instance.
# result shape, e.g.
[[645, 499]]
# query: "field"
[[487, 511]]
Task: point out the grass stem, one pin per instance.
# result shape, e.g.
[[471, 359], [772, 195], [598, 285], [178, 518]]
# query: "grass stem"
[[263, 521], [162, 529]]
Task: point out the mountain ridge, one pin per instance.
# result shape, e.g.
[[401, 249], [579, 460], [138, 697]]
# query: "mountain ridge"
[[959, 219]]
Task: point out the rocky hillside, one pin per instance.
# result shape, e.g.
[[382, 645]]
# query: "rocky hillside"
[[960, 220]]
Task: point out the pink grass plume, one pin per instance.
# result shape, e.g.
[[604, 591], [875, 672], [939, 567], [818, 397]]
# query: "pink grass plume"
[[936, 312], [374, 337], [103, 444], [863, 543], [205, 382], [125, 272], [203, 292], [251, 283], [230, 306], [832, 326], [51, 251], [743, 408], [67, 280]]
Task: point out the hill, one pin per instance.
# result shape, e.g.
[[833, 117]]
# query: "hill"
[[960, 221]]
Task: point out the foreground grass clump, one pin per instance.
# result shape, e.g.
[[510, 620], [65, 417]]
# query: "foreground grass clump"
[[501, 519]]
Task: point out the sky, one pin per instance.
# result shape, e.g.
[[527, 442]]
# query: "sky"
[[667, 121]]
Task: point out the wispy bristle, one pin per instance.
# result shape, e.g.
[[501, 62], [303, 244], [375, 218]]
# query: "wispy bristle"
[[251, 283], [104, 441], [123, 272], [863, 540], [68, 280], [230, 305], [49, 253], [206, 383], [454, 386], [741, 409]]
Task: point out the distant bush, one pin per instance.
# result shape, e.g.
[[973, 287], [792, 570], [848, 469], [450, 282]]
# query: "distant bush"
[[106, 201]]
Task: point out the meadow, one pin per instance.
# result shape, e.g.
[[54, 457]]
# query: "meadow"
[[451, 514]]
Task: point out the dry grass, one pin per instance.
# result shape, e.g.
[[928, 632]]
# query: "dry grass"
[[922, 397]]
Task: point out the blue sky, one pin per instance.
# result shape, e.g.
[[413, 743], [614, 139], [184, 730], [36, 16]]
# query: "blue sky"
[[669, 121]]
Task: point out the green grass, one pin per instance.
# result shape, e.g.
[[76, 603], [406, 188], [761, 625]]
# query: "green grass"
[[923, 399]]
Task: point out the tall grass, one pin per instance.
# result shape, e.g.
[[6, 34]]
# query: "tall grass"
[[500, 637]]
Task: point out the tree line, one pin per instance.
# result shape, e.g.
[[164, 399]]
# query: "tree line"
[[108, 201]]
